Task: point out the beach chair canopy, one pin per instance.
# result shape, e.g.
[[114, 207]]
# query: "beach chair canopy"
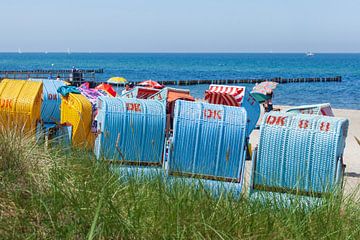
[[208, 141], [299, 153], [318, 109], [172, 94], [50, 109], [225, 95], [131, 131], [20, 103], [140, 92], [235, 96]]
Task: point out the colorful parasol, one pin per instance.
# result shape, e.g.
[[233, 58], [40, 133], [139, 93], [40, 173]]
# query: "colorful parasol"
[[266, 87], [151, 84], [263, 91], [117, 80]]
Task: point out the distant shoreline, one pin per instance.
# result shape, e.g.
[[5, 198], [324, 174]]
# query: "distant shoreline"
[[171, 52]]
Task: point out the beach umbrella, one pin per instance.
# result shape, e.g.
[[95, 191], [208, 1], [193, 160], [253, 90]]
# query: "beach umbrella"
[[263, 91], [260, 97], [151, 84], [266, 87], [117, 80]]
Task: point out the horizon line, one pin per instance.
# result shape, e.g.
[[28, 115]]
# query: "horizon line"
[[188, 52]]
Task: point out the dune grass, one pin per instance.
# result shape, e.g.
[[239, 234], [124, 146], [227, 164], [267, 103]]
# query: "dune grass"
[[56, 194]]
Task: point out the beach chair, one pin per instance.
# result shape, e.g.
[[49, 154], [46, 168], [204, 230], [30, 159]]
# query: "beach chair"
[[208, 145], [140, 92], [169, 96], [298, 155], [131, 132], [236, 96], [79, 112], [172, 94], [318, 109], [50, 108], [76, 117], [20, 104]]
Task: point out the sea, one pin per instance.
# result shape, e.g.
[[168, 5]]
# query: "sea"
[[185, 66]]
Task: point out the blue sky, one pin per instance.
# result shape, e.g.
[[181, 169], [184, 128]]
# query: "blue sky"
[[180, 26]]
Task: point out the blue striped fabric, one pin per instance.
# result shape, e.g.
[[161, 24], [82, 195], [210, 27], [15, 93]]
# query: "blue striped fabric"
[[50, 109], [208, 141], [299, 153], [253, 111], [130, 130]]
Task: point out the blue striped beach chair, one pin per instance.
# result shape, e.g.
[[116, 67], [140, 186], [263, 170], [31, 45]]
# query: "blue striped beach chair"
[[298, 154], [50, 109], [131, 132], [169, 96], [235, 96], [208, 144]]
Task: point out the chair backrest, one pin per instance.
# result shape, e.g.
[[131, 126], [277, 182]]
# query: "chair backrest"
[[50, 109], [208, 141], [317, 109], [235, 96], [76, 110], [130, 130], [20, 103], [299, 153], [140, 92]]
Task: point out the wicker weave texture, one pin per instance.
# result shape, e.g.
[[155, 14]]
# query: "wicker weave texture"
[[50, 109], [299, 152], [76, 110], [130, 130], [208, 141], [20, 103]]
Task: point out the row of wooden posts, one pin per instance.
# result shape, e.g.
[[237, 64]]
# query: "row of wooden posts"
[[81, 75], [250, 81]]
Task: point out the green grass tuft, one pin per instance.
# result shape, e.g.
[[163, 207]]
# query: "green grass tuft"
[[68, 195]]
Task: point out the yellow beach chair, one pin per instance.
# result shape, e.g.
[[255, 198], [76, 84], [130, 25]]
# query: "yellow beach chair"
[[76, 111], [20, 104]]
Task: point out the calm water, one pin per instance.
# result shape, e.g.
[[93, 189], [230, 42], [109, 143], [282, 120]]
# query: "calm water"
[[136, 67]]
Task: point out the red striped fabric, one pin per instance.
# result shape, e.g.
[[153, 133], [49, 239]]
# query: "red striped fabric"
[[225, 95]]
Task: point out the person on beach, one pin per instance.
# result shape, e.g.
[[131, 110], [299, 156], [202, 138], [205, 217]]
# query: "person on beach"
[[128, 87], [268, 105]]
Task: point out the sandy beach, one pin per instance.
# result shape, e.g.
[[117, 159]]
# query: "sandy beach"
[[351, 154]]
